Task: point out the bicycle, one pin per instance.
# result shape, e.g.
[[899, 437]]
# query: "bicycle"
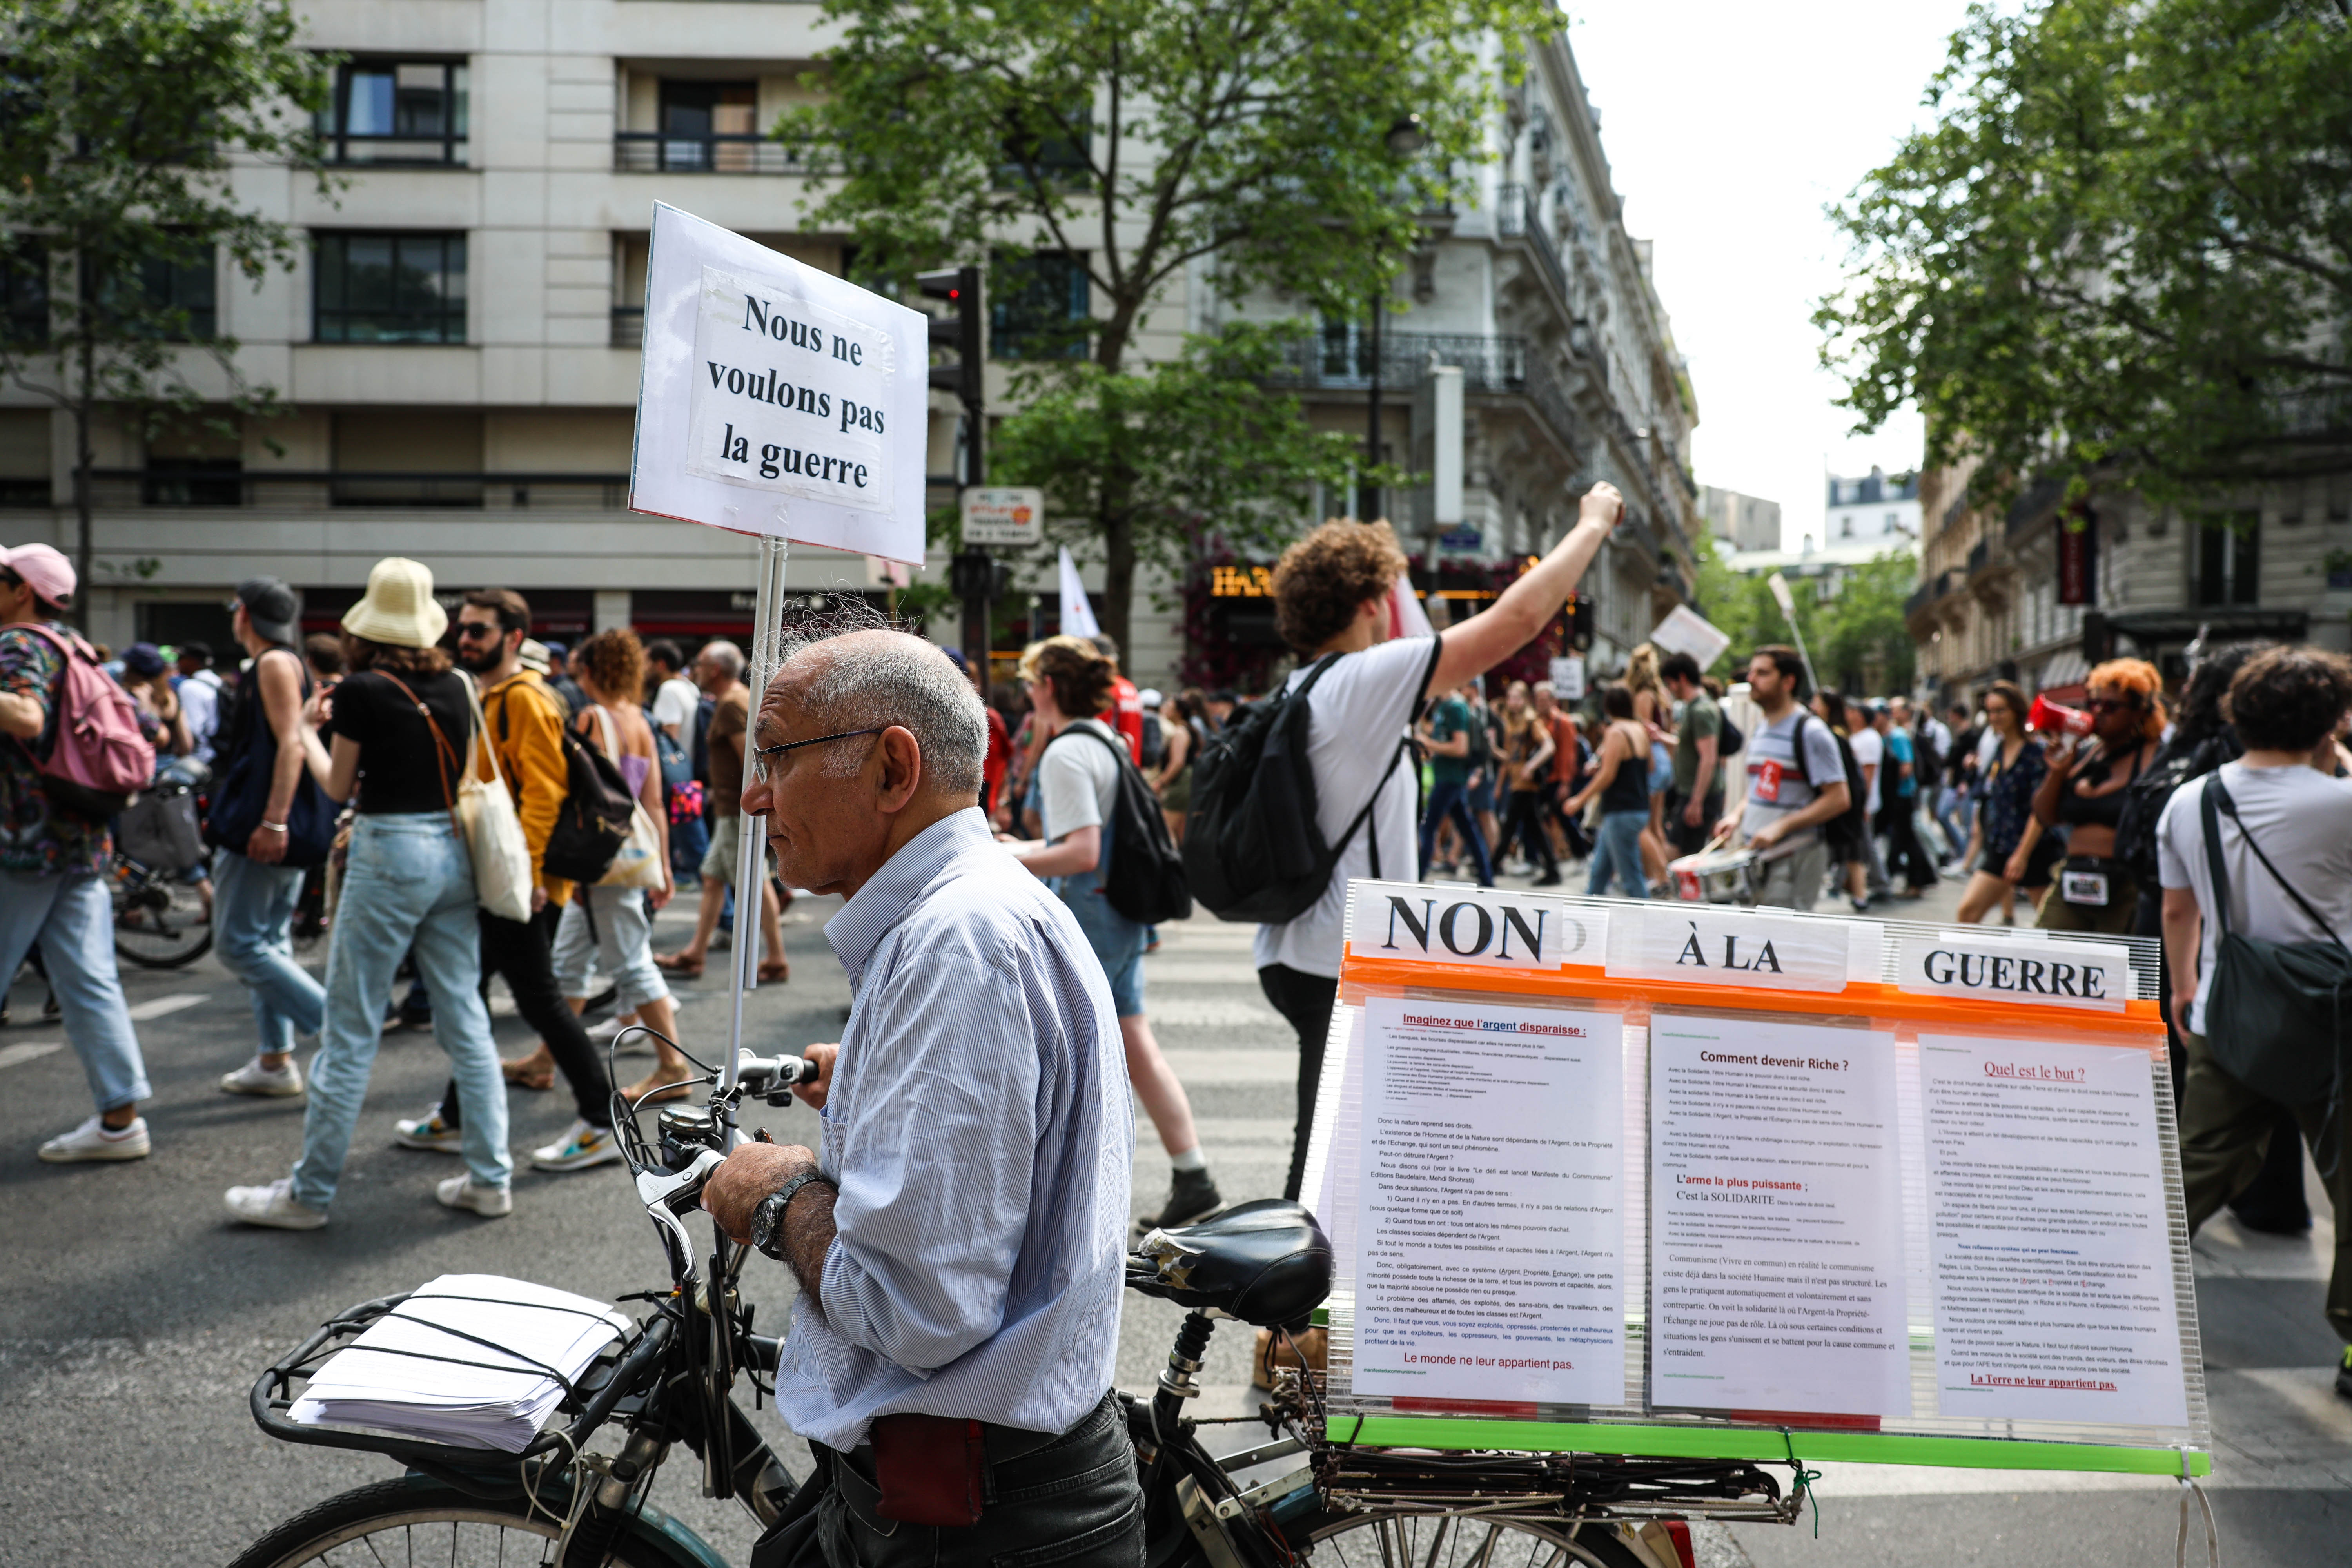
[[161, 920], [671, 1383]]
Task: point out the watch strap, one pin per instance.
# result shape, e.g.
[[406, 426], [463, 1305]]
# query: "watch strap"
[[774, 1205]]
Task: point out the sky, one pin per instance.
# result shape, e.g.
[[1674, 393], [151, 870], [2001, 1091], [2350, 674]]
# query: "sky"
[[1728, 127]]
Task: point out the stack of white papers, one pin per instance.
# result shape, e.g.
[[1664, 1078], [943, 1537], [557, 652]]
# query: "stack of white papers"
[[467, 1360]]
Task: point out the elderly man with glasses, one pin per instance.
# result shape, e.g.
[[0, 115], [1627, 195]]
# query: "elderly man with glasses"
[[958, 1241]]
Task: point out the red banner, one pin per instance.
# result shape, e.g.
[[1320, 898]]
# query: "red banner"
[[2078, 555]]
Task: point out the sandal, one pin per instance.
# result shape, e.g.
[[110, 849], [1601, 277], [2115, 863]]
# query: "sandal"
[[775, 969], [680, 964], [651, 1090], [534, 1071]]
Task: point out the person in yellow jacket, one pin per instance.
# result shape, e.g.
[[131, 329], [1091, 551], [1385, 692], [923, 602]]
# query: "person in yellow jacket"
[[525, 725]]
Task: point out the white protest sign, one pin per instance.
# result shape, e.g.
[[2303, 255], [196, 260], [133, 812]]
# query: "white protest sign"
[[1686, 631], [1497, 928], [1013, 518], [1994, 969], [1713, 946], [774, 398], [1567, 677]]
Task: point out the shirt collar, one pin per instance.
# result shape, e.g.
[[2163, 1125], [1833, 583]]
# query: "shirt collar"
[[859, 926]]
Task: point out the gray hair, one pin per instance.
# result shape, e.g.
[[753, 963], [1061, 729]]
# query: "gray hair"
[[869, 677], [726, 656]]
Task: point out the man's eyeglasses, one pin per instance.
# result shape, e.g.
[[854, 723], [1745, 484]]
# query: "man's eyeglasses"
[[759, 755]]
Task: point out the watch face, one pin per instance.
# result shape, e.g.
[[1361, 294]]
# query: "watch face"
[[763, 1223]]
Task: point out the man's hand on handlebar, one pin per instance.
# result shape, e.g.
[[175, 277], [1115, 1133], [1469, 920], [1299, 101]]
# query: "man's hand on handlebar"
[[749, 1174], [813, 1094]]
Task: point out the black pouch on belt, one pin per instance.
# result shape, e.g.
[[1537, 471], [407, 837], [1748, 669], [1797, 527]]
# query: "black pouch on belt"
[[930, 1469]]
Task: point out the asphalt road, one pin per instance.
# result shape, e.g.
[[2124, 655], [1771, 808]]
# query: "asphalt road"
[[134, 1316]]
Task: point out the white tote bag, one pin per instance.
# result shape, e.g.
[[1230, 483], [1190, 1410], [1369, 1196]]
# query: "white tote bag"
[[493, 830], [638, 864]]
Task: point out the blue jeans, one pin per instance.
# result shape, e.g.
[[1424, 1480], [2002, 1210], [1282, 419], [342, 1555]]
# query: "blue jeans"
[[1118, 941], [253, 918], [1952, 811], [1446, 796], [1617, 851], [409, 884], [690, 841], [73, 919]]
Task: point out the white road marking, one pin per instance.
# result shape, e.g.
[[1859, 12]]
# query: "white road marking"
[[162, 1007], [16, 1055], [1198, 1067]]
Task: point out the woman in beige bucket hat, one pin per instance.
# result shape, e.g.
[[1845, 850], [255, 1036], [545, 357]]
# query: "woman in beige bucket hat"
[[401, 720]]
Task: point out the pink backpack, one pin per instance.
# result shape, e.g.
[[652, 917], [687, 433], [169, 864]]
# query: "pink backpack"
[[98, 760]]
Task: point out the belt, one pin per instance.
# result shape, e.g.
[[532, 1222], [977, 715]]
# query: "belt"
[[1002, 1445]]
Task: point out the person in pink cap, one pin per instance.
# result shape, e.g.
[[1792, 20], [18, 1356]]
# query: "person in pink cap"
[[53, 865]]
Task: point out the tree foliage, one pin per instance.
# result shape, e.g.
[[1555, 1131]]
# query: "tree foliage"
[[1858, 637], [2124, 249], [121, 121], [1243, 140]]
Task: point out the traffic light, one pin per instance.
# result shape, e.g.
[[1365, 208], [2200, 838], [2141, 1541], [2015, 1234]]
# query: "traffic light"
[[1580, 622], [958, 331]]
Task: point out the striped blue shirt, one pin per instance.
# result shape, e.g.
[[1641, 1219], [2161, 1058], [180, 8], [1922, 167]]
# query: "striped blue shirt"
[[981, 1130]]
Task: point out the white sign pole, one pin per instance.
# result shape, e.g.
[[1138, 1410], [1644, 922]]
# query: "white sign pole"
[[767, 656], [1781, 596]]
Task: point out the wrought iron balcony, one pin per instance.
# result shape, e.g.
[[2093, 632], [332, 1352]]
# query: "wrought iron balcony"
[[1495, 363], [1519, 214], [717, 153], [214, 485]]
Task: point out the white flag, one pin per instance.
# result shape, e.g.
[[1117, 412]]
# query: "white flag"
[[1406, 617], [1077, 615]]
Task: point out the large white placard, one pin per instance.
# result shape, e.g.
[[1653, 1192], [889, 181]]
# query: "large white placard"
[[2050, 1240], [1496, 928], [1776, 1219], [1490, 1225], [1708, 944], [774, 398]]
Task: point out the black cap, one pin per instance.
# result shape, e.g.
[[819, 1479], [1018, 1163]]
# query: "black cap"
[[271, 606]]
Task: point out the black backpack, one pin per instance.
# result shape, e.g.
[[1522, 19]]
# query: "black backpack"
[[597, 807], [1928, 758], [1253, 850], [1147, 875], [1853, 826], [704, 708], [2145, 797]]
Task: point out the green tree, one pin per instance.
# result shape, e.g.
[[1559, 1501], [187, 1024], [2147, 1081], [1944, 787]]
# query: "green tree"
[[2124, 250], [120, 125], [1857, 637], [1144, 140], [1175, 453]]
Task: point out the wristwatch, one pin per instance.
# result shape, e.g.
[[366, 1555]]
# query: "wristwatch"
[[768, 1219]]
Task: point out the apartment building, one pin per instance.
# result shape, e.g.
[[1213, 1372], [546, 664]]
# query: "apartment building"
[[458, 341]]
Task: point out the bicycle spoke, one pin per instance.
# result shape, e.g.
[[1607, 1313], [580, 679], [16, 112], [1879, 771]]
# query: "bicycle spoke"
[[1436, 1543]]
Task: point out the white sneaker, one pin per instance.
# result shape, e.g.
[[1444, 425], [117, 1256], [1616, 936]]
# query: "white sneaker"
[[94, 1140], [461, 1192], [254, 1078], [579, 1148], [274, 1206], [428, 1132]]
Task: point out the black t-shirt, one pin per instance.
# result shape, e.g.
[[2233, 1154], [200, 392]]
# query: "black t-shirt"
[[401, 768]]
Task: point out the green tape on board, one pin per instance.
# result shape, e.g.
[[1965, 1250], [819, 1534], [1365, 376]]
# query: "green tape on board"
[[1763, 1444]]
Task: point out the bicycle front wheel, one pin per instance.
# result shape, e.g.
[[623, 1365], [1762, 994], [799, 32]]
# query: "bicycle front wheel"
[[403, 1521], [159, 922], [1457, 1540]]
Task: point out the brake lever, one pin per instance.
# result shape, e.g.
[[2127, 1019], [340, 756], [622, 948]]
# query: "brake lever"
[[680, 1192]]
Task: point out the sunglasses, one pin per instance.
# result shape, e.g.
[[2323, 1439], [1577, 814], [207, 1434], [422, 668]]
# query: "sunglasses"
[[2109, 704], [759, 755], [470, 629]]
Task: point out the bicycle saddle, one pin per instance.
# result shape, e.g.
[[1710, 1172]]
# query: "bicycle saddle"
[[1264, 1263]]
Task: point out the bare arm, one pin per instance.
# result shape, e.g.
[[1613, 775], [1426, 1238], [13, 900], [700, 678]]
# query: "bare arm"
[[1458, 746], [1512, 621], [1076, 852], [1693, 809], [1612, 751], [2184, 933]]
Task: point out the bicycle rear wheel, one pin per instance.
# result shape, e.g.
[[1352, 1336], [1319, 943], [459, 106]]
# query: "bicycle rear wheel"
[[1444, 1541], [402, 1521], [160, 922]]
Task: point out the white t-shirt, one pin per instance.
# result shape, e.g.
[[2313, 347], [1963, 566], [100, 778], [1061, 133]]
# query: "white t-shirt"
[[2303, 820], [675, 703], [1078, 781], [1355, 717], [200, 700], [1779, 781], [1869, 754]]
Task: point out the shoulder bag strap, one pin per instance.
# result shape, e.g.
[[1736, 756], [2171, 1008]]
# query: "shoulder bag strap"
[[447, 754], [2217, 797]]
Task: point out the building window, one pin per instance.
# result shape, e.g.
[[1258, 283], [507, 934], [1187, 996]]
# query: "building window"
[[24, 292], [184, 291], [1040, 306], [1845, 526], [2228, 560], [389, 289], [709, 125], [1893, 521], [192, 482], [396, 111]]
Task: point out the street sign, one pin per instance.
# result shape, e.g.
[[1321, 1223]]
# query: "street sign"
[[1012, 517], [776, 399]]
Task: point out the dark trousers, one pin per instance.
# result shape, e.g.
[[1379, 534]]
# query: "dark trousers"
[[1525, 822], [1072, 1499], [522, 952], [1688, 838], [1448, 798], [1905, 856], [1305, 1000]]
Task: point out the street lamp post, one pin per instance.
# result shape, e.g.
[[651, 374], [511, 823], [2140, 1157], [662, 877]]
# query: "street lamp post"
[[1404, 139]]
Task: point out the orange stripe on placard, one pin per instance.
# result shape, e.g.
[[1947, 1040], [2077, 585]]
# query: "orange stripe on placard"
[[1871, 999]]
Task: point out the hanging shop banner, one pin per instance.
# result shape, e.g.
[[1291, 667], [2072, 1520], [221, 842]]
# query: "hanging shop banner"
[[774, 398], [1640, 1177]]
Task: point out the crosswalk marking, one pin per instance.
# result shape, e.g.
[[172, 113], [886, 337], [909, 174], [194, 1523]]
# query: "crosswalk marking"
[[16, 1055], [160, 1006]]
